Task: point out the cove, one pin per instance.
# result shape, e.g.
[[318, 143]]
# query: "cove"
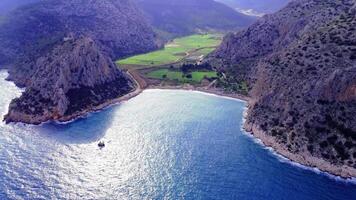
[[162, 144]]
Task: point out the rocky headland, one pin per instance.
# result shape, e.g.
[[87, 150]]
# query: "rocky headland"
[[300, 66], [73, 77], [62, 52]]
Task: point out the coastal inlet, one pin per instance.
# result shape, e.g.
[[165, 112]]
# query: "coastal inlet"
[[162, 144]]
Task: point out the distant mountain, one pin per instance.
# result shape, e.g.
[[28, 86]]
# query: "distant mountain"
[[300, 64], [8, 5], [62, 52], [256, 7], [183, 17]]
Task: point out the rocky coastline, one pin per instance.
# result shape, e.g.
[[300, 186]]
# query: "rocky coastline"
[[306, 159], [72, 78], [62, 53], [303, 158], [20, 117], [299, 64]]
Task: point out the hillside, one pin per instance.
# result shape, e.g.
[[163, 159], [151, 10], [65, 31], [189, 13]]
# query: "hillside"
[[62, 52], [300, 64], [183, 17], [117, 27], [71, 78]]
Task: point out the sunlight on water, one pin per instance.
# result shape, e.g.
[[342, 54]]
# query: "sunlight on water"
[[159, 145]]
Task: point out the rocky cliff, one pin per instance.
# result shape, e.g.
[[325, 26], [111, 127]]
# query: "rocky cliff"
[[117, 26], [300, 64], [62, 52], [72, 77]]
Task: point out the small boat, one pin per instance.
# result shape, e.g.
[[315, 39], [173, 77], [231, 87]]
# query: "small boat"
[[101, 144]]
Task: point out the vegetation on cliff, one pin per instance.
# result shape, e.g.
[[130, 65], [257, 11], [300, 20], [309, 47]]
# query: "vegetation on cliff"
[[173, 18], [300, 65], [62, 52]]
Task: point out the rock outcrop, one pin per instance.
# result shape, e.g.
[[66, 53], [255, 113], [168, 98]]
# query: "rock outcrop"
[[74, 76], [117, 26], [62, 51], [300, 64]]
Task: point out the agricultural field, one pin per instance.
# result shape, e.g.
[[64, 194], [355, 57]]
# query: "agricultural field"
[[178, 50], [174, 75]]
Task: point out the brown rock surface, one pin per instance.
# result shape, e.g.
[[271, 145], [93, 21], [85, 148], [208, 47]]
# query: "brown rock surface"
[[300, 64], [73, 77]]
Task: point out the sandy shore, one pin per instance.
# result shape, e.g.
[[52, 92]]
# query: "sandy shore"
[[209, 90], [304, 159]]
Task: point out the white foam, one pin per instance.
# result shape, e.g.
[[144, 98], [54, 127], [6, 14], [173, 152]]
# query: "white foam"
[[197, 91], [284, 159]]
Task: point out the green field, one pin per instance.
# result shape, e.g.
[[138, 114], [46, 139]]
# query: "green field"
[[173, 75], [174, 51]]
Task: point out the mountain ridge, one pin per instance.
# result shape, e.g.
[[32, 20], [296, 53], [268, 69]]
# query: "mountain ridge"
[[300, 67], [184, 17], [62, 51]]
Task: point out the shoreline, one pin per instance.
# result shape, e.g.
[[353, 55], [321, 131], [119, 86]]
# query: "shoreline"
[[83, 114], [344, 172], [212, 91]]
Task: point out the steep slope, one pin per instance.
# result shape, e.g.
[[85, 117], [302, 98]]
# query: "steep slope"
[[301, 66], [239, 53], [183, 17], [116, 25], [73, 77], [62, 52]]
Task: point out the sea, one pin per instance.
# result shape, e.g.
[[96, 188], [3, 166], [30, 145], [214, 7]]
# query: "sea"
[[162, 144]]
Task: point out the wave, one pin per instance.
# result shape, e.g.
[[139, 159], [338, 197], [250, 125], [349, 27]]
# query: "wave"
[[199, 92], [286, 160]]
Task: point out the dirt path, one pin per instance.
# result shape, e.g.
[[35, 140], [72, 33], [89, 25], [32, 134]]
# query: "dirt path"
[[140, 82]]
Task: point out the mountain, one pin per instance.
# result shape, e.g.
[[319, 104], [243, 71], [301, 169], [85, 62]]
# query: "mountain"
[[62, 52], [117, 27], [183, 17], [300, 64], [256, 7], [8, 5], [73, 77]]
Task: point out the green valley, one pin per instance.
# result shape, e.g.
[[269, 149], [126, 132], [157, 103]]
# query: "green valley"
[[175, 75], [190, 48]]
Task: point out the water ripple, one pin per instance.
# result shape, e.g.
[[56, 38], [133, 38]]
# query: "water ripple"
[[159, 145]]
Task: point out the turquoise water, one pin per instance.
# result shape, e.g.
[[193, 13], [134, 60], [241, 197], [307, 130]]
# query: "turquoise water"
[[159, 145]]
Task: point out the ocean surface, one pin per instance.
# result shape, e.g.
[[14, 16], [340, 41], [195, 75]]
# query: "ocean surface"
[[163, 144]]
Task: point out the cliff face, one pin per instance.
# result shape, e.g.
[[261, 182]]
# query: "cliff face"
[[74, 76], [62, 52], [239, 53], [117, 26], [301, 66]]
